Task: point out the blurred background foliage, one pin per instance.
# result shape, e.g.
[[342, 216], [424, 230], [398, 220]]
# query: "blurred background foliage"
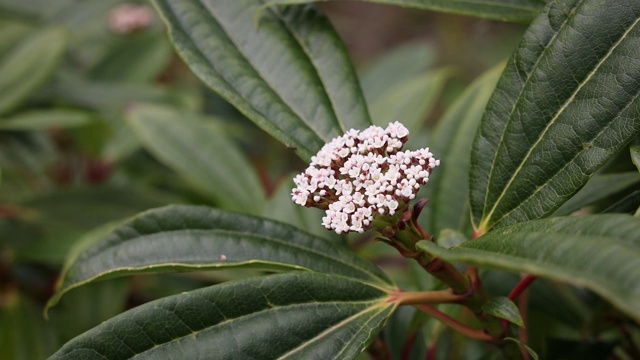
[[100, 120]]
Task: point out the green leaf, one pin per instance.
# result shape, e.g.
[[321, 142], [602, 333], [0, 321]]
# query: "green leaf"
[[566, 104], [635, 152], [29, 64], [46, 119], [179, 238], [503, 308], [410, 101], [398, 65], [290, 74], [24, 335], [505, 10], [285, 316], [598, 188], [137, 58], [599, 252], [451, 143], [201, 154]]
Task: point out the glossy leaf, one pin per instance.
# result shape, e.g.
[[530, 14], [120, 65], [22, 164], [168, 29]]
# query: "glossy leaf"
[[46, 119], [503, 308], [29, 64], [598, 188], [452, 139], [286, 316], [505, 10], [290, 73], [567, 102], [178, 238], [599, 252], [201, 154]]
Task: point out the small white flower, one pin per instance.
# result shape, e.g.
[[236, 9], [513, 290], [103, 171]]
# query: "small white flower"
[[361, 174]]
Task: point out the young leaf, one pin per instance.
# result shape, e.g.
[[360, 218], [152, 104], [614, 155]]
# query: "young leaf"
[[289, 73], [286, 316], [505, 10], [503, 308], [29, 64], [567, 102], [179, 238], [635, 152], [451, 143], [200, 154], [599, 252]]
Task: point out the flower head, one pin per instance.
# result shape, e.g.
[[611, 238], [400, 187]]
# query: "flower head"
[[361, 174]]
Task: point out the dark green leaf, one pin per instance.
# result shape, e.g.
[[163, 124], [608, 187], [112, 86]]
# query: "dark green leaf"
[[600, 252], [290, 73], [567, 103], [29, 64], [200, 153], [178, 238], [452, 138], [505, 10], [286, 316], [503, 308]]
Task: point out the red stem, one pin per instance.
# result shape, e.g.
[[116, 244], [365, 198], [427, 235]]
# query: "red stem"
[[408, 345], [455, 324], [521, 286]]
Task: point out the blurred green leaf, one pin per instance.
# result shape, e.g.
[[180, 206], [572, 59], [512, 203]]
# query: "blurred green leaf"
[[410, 101], [599, 187], [46, 119], [452, 139], [29, 64], [24, 335], [505, 10], [290, 74], [401, 64], [11, 31], [599, 252], [200, 153], [566, 104], [179, 238], [109, 95], [135, 59], [52, 222], [503, 308], [299, 315]]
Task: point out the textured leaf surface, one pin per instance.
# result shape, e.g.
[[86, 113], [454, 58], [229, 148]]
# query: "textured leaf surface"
[[286, 316], [506, 10], [448, 184], [201, 154], [290, 73], [600, 252], [29, 64], [567, 102], [635, 152], [178, 238]]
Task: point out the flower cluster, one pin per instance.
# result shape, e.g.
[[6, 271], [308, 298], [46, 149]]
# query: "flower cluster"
[[361, 174], [130, 17]]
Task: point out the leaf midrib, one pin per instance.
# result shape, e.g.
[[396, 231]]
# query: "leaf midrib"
[[580, 86], [250, 237]]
